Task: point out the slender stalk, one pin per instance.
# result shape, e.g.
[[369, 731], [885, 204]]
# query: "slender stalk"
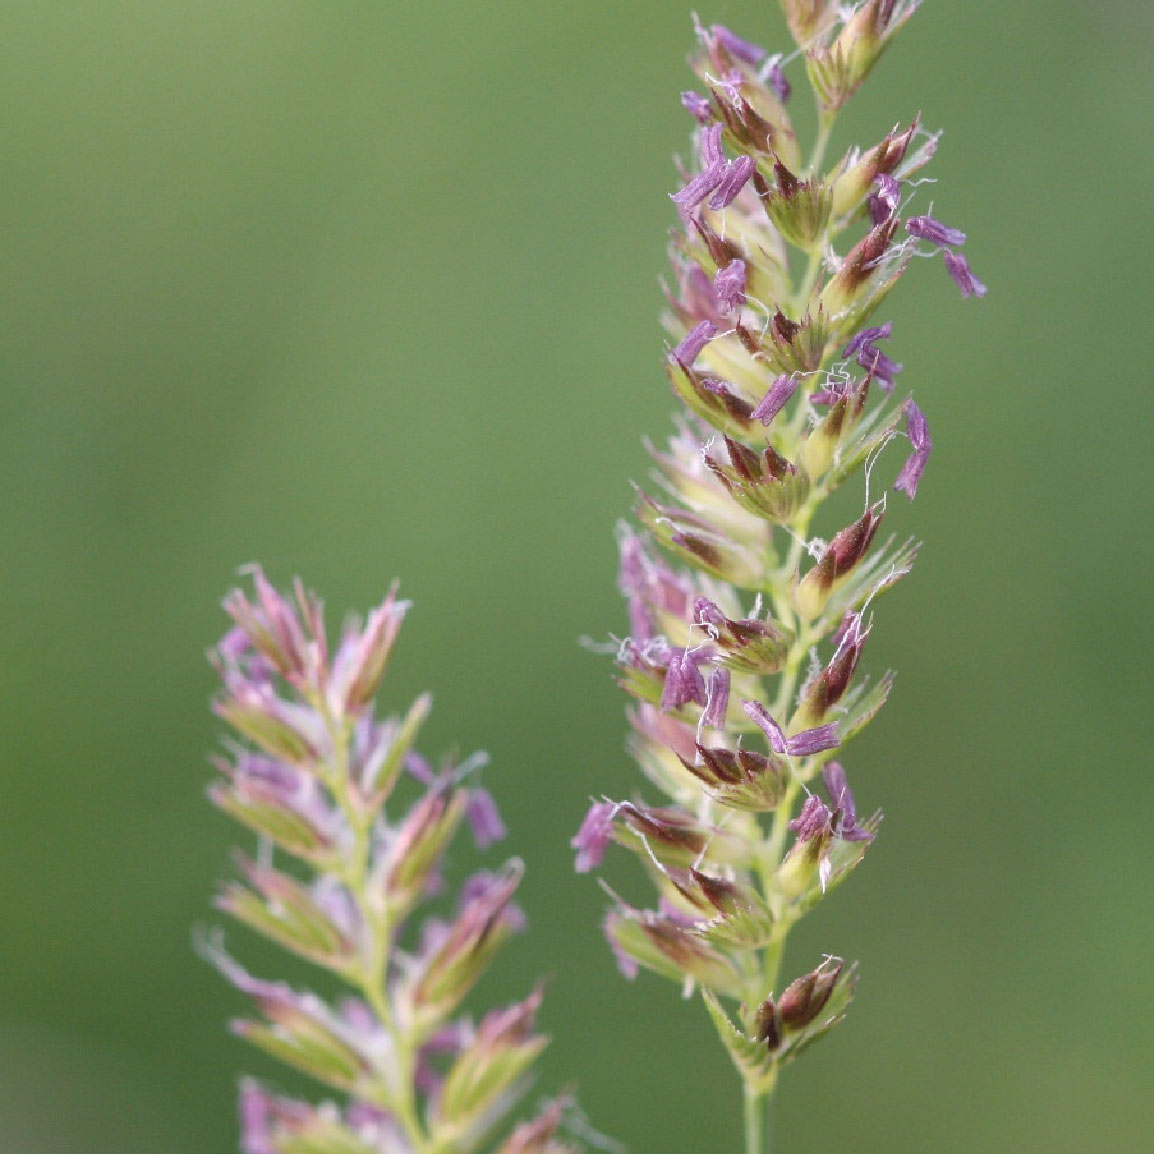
[[826, 120], [816, 259], [756, 1116], [370, 977]]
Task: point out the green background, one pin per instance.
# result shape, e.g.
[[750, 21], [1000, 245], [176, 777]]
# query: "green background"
[[364, 290]]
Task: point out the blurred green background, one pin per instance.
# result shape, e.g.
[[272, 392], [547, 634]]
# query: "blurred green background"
[[364, 290]]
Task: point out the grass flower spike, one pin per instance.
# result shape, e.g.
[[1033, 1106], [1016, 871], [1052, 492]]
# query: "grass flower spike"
[[339, 880], [746, 627]]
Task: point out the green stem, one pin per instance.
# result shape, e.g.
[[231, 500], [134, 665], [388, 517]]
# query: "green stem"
[[371, 974], [756, 1116], [758, 1100], [825, 124], [812, 272], [813, 268]]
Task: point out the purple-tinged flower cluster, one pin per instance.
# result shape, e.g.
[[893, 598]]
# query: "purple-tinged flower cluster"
[[342, 872], [747, 628]]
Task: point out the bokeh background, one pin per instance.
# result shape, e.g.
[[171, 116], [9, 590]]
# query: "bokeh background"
[[369, 289]]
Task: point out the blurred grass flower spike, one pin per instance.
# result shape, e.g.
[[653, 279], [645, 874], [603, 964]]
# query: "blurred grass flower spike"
[[746, 627], [339, 880]]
